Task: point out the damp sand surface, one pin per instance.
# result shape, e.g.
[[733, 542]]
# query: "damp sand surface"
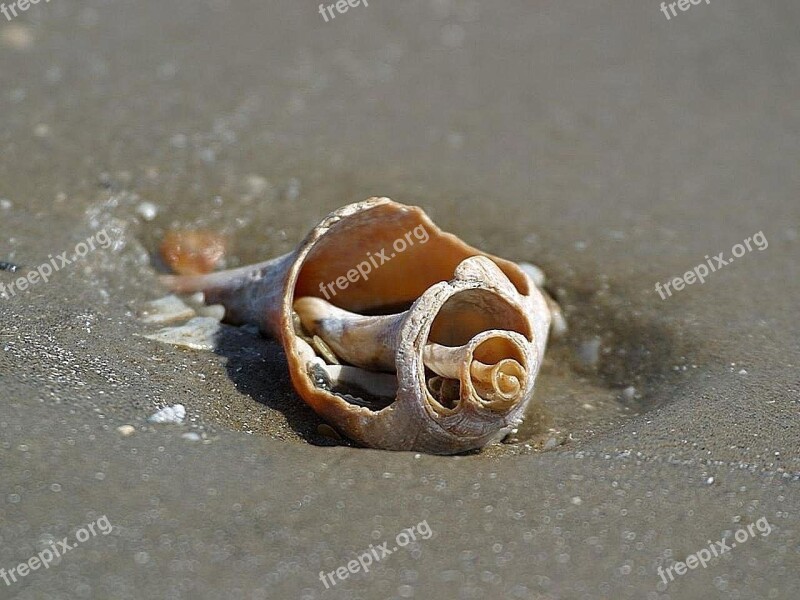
[[603, 143]]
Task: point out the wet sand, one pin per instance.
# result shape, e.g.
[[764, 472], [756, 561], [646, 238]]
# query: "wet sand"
[[611, 147]]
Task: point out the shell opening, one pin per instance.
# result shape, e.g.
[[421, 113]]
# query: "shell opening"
[[473, 351], [471, 312]]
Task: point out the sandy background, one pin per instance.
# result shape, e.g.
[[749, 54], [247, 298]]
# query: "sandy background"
[[608, 145]]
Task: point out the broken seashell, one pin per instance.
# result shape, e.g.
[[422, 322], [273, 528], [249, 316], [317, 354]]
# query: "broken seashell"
[[165, 310], [199, 333], [454, 335], [192, 252], [172, 415]]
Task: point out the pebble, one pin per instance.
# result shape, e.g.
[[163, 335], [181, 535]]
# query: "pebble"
[[147, 210], [589, 352], [172, 415], [558, 326], [629, 393], [17, 37], [42, 130], [192, 252], [256, 185], [191, 436], [126, 430], [197, 298], [534, 272]]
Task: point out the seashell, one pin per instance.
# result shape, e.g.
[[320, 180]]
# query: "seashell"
[[439, 343], [167, 309], [173, 415], [192, 252]]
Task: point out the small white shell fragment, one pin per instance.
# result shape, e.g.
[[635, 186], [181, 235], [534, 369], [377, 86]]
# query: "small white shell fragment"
[[534, 272], [197, 298], [199, 334], [191, 436], [214, 311], [558, 325], [172, 415], [126, 430], [165, 310], [147, 210], [16, 37], [256, 184]]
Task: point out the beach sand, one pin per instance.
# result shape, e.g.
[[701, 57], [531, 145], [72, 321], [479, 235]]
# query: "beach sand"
[[611, 147]]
